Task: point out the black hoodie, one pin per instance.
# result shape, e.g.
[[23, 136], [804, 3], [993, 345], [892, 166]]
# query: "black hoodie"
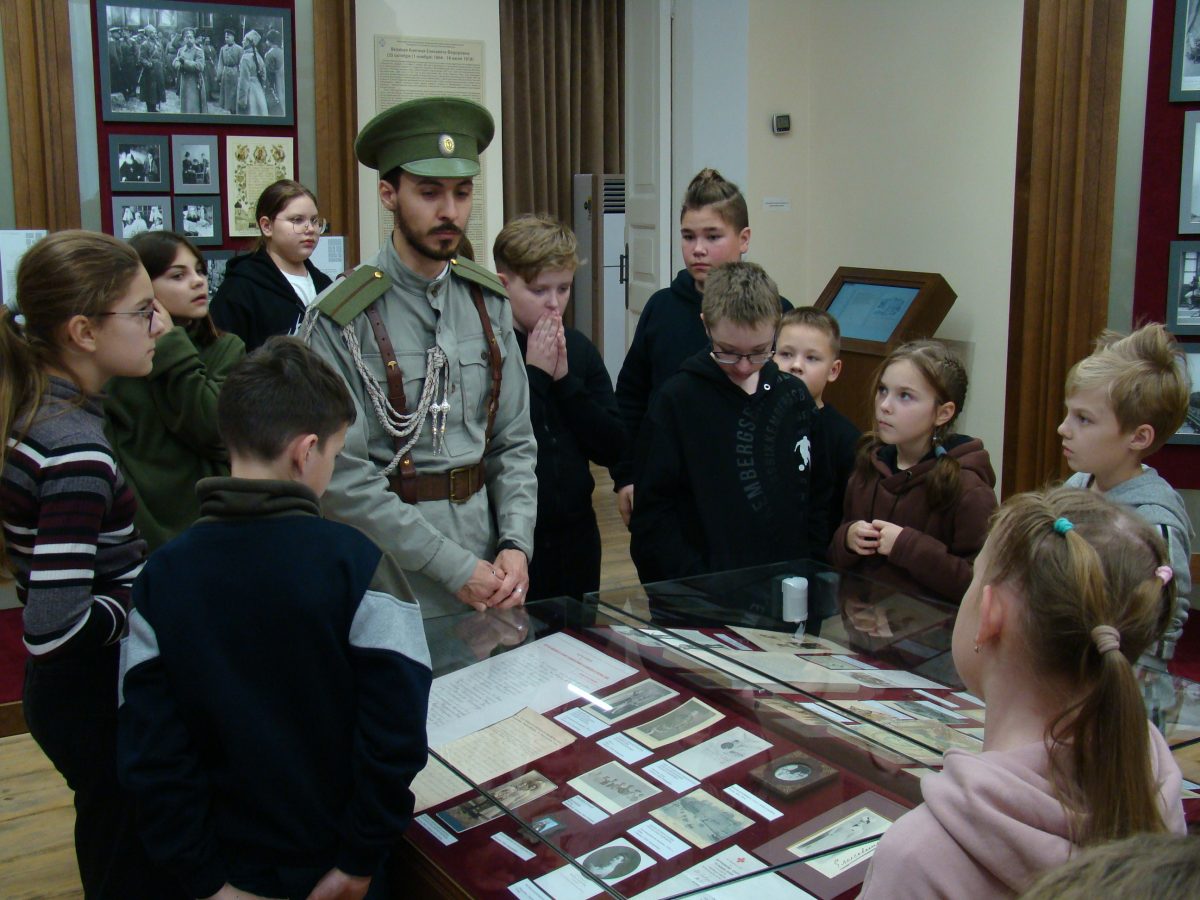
[[255, 301], [726, 479], [669, 330]]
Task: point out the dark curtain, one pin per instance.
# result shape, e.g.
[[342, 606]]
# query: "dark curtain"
[[562, 65]]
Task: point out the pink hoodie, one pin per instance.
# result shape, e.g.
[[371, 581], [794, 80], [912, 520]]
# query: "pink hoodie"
[[990, 823]]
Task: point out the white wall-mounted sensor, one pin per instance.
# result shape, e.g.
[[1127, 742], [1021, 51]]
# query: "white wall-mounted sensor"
[[781, 124]]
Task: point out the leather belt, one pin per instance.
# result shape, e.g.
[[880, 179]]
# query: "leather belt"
[[458, 485]]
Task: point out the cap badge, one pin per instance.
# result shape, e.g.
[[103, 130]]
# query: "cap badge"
[[446, 145]]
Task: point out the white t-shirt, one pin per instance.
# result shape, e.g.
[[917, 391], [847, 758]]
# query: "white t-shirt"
[[303, 286]]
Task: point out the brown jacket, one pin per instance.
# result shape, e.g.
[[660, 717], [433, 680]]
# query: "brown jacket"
[[933, 554]]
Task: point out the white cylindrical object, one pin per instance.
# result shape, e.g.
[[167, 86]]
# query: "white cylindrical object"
[[795, 599]]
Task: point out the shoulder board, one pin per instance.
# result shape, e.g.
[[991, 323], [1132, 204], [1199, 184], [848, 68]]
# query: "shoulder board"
[[471, 271], [349, 296]]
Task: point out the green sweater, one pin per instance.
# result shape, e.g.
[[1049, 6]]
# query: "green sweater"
[[163, 430]]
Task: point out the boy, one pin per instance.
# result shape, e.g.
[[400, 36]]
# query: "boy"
[[1123, 402], [725, 455], [571, 404], [272, 706], [808, 347]]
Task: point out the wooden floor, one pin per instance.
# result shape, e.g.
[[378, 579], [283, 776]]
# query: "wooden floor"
[[37, 857]]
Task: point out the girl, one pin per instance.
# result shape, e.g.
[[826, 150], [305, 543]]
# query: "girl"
[[266, 292], [714, 228], [917, 505], [1068, 591], [87, 315], [163, 428]]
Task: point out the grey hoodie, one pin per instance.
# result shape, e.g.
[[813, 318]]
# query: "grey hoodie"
[[1153, 498]]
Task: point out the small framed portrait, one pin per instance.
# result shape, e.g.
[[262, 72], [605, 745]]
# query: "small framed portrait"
[[138, 163], [199, 220], [792, 775], [1189, 431], [194, 164], [1185, 53], [1189, 176], [167, 61], [135, 215], [1183, 288], [215, 262]]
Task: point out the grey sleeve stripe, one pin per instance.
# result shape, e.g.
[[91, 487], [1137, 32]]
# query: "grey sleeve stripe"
[[138, 646], [386, 623]]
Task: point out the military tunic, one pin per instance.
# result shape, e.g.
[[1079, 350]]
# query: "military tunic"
[[437, 542]]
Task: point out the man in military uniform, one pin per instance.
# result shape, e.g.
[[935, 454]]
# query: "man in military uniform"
[[438, 468]]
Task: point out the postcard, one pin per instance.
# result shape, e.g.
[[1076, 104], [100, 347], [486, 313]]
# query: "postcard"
[[511, 794], [891, 678], [613, 862], [511, 743], [701, 818], [875, 711], [631, 701], [782, 641], [938, 735], [613, 787], [732, 862], [924, 709], [840, 663], [862, 823], [680, 722], [720, 752]]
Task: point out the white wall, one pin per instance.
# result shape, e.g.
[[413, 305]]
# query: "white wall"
[[902, 157], [471, 20]]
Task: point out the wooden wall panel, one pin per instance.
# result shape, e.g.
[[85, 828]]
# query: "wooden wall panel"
[[41, 109], [1062, 225], [337, 119]]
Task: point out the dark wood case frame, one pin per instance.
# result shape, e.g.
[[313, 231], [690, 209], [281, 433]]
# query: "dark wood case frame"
[[851, 393]]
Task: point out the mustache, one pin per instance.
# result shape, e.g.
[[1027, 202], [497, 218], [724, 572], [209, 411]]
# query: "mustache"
[[443, 230]]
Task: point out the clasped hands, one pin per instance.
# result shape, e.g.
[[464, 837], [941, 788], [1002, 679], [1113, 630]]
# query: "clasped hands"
[[497, 585], [546, 348], [868, 538]]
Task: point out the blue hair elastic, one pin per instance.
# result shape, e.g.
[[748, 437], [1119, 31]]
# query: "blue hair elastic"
[[1062, 525], [939, 451]]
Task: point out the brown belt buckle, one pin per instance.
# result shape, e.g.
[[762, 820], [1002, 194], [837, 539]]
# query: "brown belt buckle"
[[465, 472]]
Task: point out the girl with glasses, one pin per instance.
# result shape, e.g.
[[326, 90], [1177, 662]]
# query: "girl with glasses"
[[163, 427], [267, 291], [87, 315]]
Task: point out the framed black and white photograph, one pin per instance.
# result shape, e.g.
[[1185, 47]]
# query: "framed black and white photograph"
[[138, 162], [163, 61], [1185, 53], [194, 164], [1189, 176], [134, 215], [199, 220], [1189, 431], [1183, 288], [215, 262]]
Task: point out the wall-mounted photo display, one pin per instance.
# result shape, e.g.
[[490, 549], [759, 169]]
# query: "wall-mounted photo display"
[[194, 164], [199, 219], [1189, 431], [138, 162], [214, 262], [1189, 176], [1185, 53], [1183, 288], [135, 215], [164, 61]]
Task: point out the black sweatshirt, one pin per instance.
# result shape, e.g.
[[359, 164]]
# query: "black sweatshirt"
[[256, 302], [669, 330], [727, 479]]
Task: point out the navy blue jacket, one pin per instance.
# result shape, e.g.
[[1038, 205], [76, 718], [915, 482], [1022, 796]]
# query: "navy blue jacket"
[[273, 707]]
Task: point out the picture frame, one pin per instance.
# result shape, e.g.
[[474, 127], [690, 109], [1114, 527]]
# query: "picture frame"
[[138, 163], [194, 164], [1189, 176], [198, 219], [793, 774], [251, 163], [215, 262], [151, 72], [1183, 289], [1189, 431], [154, 213], [1185, 53]]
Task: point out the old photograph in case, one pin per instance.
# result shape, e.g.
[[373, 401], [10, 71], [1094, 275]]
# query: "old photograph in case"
[[793, 774]]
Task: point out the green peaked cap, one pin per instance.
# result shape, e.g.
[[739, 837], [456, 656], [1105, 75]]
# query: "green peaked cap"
[[435, 137]]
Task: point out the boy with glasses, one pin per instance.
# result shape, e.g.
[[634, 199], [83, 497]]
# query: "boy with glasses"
[[725, 458]]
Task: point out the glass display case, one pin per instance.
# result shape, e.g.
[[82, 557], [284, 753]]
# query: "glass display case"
[[748, 733]]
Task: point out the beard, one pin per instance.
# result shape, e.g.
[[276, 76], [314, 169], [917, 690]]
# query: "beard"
[[443, 248]]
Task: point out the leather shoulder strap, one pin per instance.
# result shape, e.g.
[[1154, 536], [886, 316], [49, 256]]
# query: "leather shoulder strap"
[[494, 361], [395, 383]]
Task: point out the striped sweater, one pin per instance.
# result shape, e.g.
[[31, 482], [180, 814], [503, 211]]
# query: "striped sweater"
[[68, 526]]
